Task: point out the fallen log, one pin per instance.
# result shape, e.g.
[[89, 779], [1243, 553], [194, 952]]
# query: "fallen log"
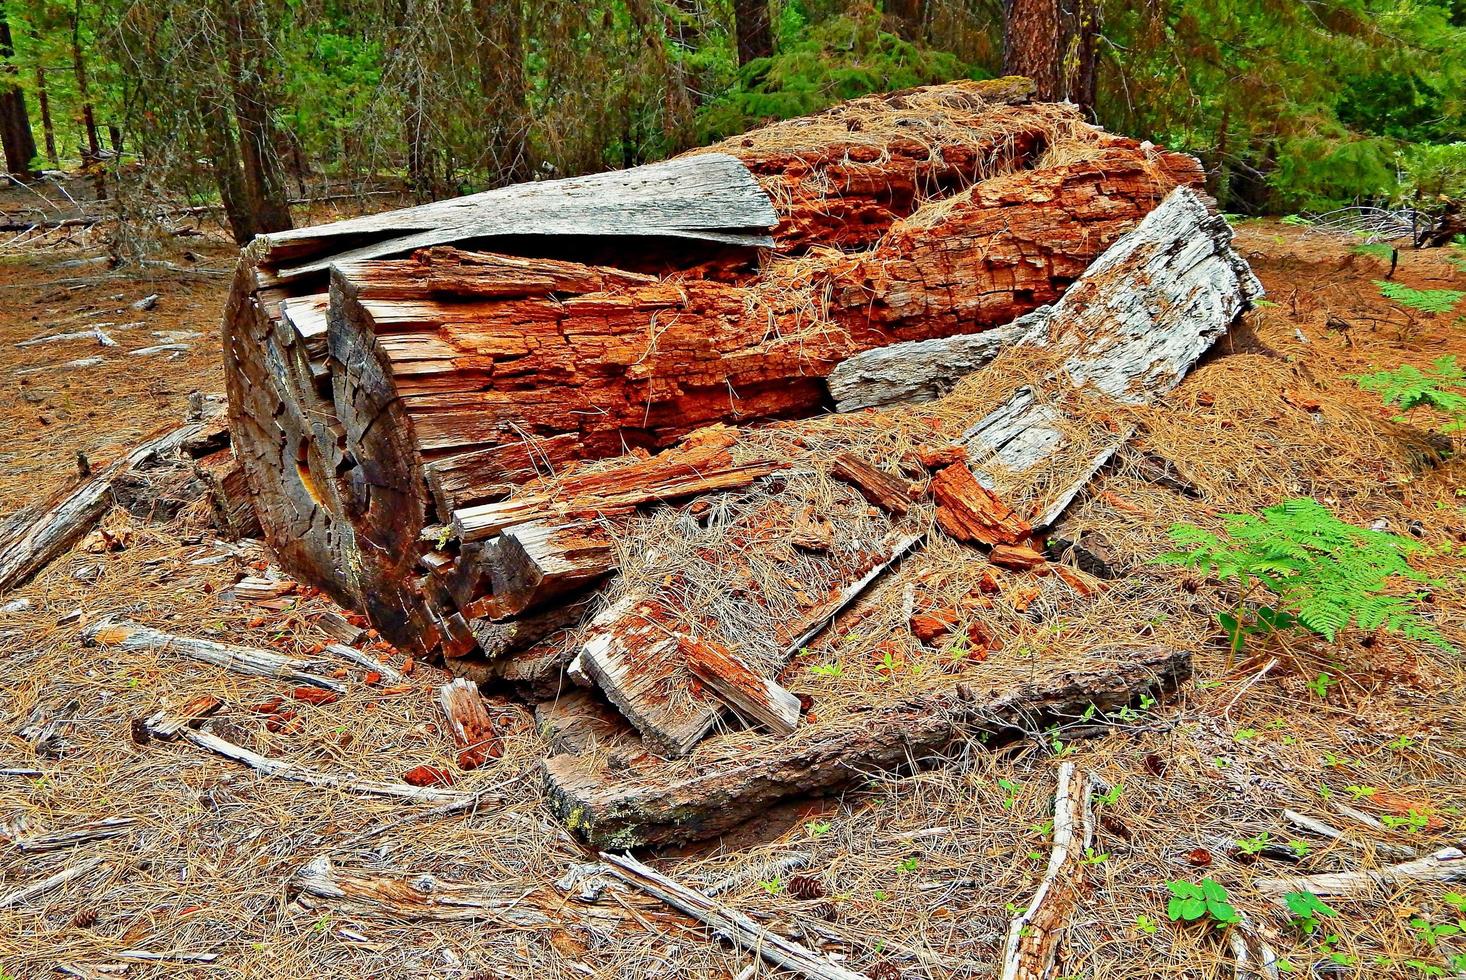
[[1447, 864], [644, 800], [417, 898], [441, 382]]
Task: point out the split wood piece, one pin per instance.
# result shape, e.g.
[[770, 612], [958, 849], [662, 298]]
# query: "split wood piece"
[[1314, 826], [727, 922], [87, 833], [469, 722], [29, 893], [68, 518], [639, 651], [310, 777], [166, 723], [419, 897], [240, 660], [1016, 557], [43, 726], [228, 495], [1248, 945], [1032, 947], [531, 564], [693, 469], [710, 197], [742, 688], [890, 493], [1130, 328], [340, 629], [365, 661], [1448, 864], [660, 803], [968, 511]]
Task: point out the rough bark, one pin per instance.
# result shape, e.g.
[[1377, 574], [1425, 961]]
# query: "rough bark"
[[16, 138], [248, 50], [751, 27], [646, 801]]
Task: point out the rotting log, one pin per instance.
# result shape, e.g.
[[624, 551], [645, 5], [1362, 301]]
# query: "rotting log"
[[375, 396], [648, 801]]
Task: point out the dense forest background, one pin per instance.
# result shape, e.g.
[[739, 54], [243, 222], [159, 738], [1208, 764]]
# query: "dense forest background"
[[253, 104]]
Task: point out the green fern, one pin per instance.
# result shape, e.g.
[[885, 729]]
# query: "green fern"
[[1324, 574], [1424, 300], [1442, 387]]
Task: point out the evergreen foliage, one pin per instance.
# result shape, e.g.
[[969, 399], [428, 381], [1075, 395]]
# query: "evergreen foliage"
[[1323, 573], [1441, 387], [1424, 300]]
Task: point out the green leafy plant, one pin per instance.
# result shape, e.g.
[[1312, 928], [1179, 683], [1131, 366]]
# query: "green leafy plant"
[[1190, 902], [1307, 909], [1431, 933], [818, 828], [827, 670], [1145, 924], [773, 886], [1324, 574], [1254, 845], [1423, 300], [1376, 250], [1441, 387], [908, 865]]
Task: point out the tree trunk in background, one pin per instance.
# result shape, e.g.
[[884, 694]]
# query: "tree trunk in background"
[[223, 153], [1053, 45], [264, 177], [88, 115], [505, 87], [751, 22], [908, 17], [1032, 45], [677, 123], [43, 100], [15, 123]]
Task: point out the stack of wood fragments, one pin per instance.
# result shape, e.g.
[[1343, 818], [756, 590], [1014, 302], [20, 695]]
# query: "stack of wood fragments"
[[579, 431]]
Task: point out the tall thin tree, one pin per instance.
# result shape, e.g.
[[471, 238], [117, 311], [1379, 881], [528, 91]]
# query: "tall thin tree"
[[751, 26], [15, 124], [1053, 43]]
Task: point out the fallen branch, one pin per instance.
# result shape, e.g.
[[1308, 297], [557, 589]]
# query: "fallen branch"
[[23, 895], [241, 660], [1448, 864], [1033, 939], [418, 898], [86, 833], [726, 922]]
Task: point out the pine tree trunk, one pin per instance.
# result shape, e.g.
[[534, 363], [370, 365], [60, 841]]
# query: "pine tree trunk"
[[223, 152], [15, 124], [88, 115], [755, 39], [677, 122], [1032, 44], [264, 177], [43, 100], [908, 17]]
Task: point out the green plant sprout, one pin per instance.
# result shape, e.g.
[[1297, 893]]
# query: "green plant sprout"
[[1324, 574], [1440, 387], [1254, 845], [1307, 909], [1206, 900]]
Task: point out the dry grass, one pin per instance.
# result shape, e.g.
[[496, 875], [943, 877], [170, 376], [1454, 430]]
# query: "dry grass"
[[921, 868]]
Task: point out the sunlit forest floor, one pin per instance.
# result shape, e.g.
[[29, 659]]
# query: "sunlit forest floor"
[[921, 872]]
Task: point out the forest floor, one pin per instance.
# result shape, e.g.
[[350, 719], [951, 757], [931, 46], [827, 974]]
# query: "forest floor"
[[922, 872]]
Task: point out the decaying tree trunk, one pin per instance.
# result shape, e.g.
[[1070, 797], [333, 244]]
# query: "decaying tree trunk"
[[465, 419]]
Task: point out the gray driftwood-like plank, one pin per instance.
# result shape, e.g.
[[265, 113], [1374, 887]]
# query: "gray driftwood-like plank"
[[1129, 329], [28, 893], [33, 547], [241, 660], [417, 897], [710, 197], [85, 833], [657, 803]]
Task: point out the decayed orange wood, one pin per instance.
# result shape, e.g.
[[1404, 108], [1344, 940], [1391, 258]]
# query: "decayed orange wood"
[[878, 487], [1016, 557], [968, 511]]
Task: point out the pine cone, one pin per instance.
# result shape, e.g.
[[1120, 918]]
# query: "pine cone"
[[84, 919], [885, 970], [805, 887], [828, 911]]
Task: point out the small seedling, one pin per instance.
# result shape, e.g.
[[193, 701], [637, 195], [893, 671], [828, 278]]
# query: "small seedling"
[[1300, 848], [827, 670], [1011, 788], [1320, 686], [1254, 845], [773, 886], [1307, 909], [1207, 900], [818, 828], [1360, 792], [909, 865], [1413, 822], [1145, 924], [1110, 796], [1432, 933]]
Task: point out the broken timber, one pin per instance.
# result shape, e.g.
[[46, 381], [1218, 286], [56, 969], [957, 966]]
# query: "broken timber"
[[648, 801], [241, 660]]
